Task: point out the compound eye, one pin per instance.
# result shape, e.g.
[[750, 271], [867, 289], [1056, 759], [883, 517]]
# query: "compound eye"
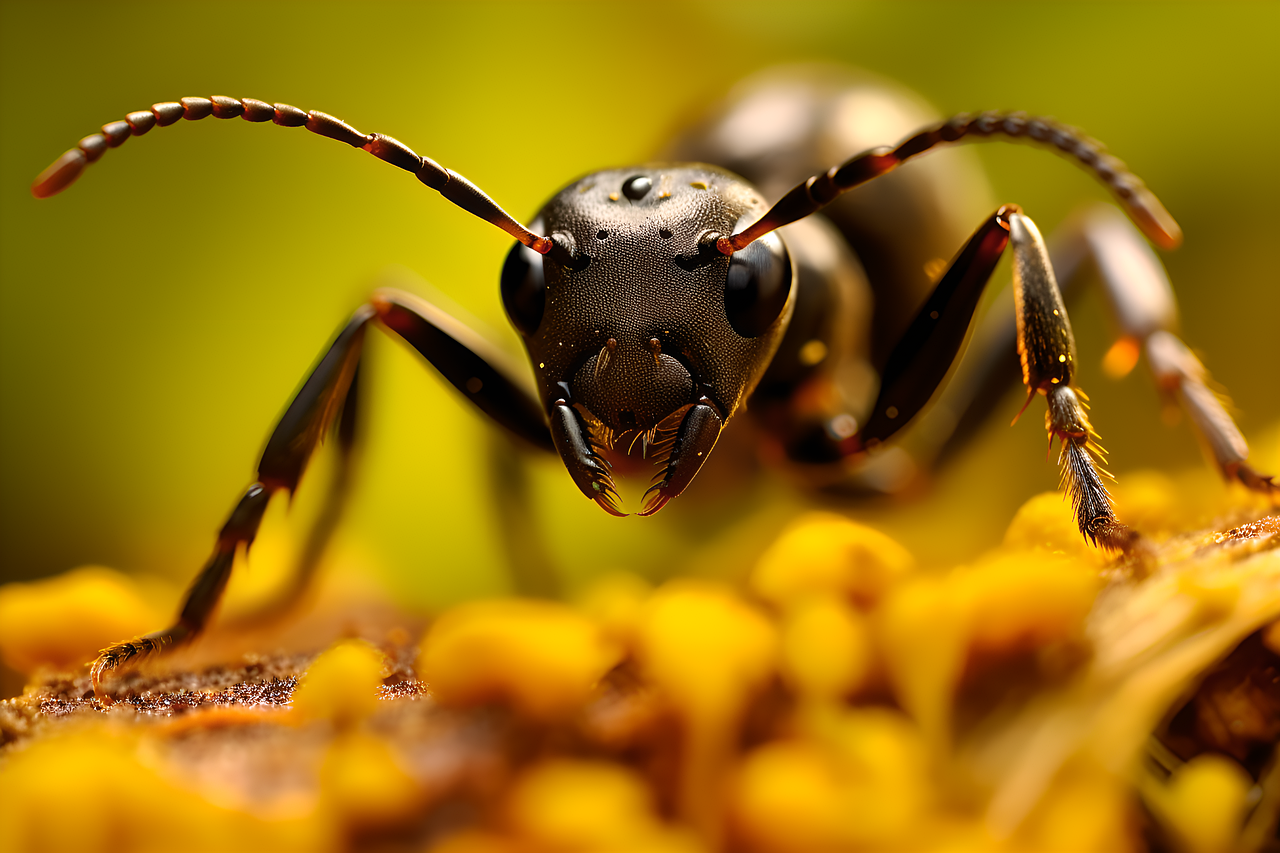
[[758, 285], [524, 288]]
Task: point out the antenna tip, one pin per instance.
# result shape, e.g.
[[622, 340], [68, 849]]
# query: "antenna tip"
[[1154, 220], [61, 174]]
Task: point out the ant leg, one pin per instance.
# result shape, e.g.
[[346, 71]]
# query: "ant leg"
[[1047, 350], [928, 348], [479, 370], [291, 593], [322, 397], [1143, 305], [921, 359], [1180, 374], [460, 355], [822, 435], [1141, 300], [422, 326], [524, 542]]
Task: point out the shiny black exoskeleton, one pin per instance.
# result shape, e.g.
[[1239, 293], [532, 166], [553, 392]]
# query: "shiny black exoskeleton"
[[654, 301], [617, 324]]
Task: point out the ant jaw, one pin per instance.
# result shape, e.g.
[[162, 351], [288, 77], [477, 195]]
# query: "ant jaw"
[[684, 441], [653, 504], [582, 455], [683, 457], [607, 501]]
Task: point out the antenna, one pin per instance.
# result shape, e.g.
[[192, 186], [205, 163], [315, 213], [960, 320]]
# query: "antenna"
[[457, 189]]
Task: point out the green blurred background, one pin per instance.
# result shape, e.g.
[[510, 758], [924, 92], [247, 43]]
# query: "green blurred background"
[[157, 316]]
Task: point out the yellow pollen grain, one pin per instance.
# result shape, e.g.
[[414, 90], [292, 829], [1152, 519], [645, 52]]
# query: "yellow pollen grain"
[[613, 196], [813, 352], [1062, 358], [542, 657]]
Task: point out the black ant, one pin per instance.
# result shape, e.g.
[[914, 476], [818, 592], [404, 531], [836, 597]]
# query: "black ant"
[[655, 300]]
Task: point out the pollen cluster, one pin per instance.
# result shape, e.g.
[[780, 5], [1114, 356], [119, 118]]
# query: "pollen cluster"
[[841, 697]]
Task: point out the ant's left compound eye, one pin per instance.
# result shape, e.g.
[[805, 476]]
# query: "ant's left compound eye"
[[758, 285], [524, 288]]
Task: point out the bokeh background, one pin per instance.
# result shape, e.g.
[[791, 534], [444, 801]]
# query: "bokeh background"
[[157, 317]]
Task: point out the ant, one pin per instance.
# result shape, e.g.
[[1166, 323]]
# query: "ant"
[[655, 301]]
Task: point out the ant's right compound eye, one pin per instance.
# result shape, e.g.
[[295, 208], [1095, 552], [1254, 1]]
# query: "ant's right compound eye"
[[758, 285], [524, 289]]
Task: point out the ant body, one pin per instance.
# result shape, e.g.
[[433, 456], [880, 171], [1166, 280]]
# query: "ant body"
[[654, 301]]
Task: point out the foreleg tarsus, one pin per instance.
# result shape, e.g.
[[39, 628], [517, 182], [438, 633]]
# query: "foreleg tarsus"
[[1083, 464], [1047, 350]]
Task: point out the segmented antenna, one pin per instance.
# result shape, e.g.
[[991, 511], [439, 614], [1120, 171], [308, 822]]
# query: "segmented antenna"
[[817, 192], [449, 184]]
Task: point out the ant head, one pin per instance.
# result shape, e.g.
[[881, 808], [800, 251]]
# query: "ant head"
[[634, 310]]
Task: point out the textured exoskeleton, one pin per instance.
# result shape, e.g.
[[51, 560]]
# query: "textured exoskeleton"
[[654, 301]]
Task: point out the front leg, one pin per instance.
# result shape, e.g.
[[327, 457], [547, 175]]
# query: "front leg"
[[1145, 311], [1047, 350], [1143, 305], [327, 394], [920, 361], [327, 397]]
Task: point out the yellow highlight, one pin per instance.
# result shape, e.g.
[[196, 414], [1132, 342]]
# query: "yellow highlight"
[[1012, 602], [362, 784], [923, 636], [542, 657], [64, 621], [1009, 602], [616, 601], [862, 783], [707, 652], [1121, 358], [822, 552], [813, 352], [342, 684], [826, 648], [705, 648], [1204, 804], [568, 805], [789, 798], [1009, 726], [1215, 597], [89, 790], [1045, 523], [1149, 502], [1088, 810]]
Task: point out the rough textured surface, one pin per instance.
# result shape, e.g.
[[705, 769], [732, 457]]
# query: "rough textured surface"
[[856, 702]]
